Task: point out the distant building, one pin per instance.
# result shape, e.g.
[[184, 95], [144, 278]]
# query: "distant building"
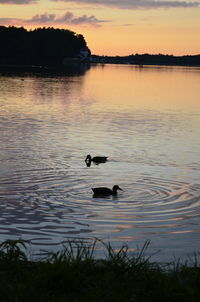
[[83, 55]]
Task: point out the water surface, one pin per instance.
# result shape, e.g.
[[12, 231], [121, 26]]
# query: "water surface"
[[146, 120]]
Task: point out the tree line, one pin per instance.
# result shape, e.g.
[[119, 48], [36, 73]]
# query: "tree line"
[[39, 46], [148, 59]]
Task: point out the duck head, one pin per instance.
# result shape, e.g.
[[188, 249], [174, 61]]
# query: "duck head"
[[88, 158], [115, 188]]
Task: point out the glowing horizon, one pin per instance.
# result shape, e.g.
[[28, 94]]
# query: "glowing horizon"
[[113, 27]]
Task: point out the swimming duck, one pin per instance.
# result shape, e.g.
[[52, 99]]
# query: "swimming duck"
[[103, 191], [95, 159]]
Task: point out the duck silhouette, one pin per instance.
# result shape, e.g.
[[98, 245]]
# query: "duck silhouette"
[[96, 159], [103, 191]]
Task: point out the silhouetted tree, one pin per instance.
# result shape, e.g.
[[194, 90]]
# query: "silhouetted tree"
[[38, 46]]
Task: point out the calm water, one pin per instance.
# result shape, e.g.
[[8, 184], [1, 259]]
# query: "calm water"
[[146, 120]]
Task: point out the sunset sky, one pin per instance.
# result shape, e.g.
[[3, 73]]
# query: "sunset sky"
[[115, 27]]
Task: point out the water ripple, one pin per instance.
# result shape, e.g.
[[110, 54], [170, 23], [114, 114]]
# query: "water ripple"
[[54, 207], [149, 133]]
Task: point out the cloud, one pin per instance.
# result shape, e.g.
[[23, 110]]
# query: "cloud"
[[137, 4], [67, 18], [9, 21], [17, 1], [52, 19], [43, 18]]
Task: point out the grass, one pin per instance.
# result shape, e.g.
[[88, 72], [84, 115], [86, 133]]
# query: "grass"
[[74, 274]]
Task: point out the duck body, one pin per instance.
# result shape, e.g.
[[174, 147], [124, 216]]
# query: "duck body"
[[96, 159], [103, 191], [99, 159]]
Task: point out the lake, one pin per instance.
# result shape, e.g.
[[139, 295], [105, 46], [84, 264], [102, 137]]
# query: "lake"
[[145, 119]]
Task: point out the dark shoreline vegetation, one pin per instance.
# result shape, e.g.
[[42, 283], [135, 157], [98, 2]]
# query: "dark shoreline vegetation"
[[74, 274], [41, 46], [148, 59], [51, 50]]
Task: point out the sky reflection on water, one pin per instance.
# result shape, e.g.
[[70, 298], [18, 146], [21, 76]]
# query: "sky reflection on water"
[[146, 120]]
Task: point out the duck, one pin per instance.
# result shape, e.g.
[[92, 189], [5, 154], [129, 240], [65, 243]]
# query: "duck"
[[96, 159], [103, 191]]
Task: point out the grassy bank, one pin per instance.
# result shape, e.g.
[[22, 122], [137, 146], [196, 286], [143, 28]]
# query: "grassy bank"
[[74, 275]]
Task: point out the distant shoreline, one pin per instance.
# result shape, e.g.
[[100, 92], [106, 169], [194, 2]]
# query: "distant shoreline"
[[73, 66], [150, 64], [147, 59]]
